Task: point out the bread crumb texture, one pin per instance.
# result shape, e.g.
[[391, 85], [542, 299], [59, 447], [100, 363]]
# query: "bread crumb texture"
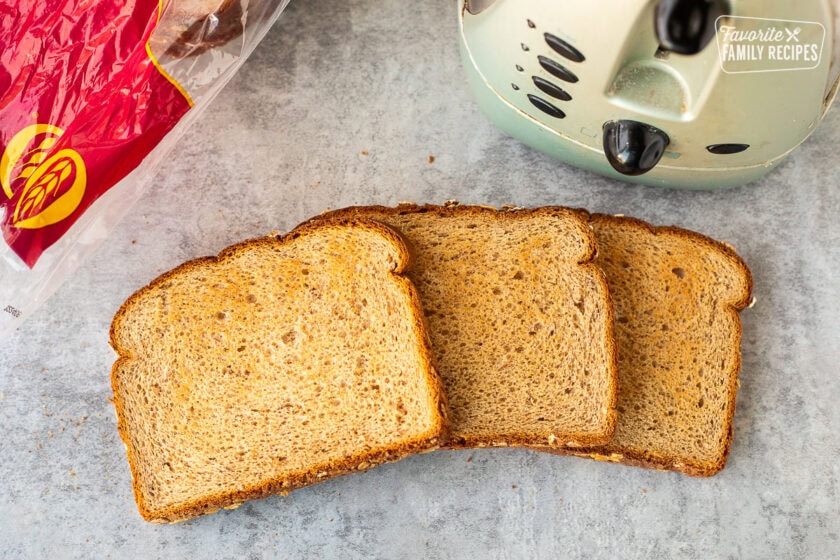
[[280, 363], [676, 295], [519, 319]]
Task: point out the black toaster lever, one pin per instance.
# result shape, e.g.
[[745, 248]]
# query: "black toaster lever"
[[687, 26]]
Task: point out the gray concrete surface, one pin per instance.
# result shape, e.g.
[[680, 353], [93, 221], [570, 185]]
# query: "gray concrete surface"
[[284, 141]]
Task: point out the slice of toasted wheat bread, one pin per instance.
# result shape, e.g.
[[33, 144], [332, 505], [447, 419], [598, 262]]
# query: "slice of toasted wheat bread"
[[280, 363], [519, 318], [677, 295]]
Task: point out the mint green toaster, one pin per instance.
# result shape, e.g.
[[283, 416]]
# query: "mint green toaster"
[[700, 94]]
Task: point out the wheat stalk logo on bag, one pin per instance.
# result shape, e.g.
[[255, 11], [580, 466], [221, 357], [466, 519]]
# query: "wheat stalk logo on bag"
[[45, 188], [76, 115]]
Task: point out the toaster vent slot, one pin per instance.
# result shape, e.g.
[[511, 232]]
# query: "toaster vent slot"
[[557, 70], [551, 89], [563, 48], [546, 106], [546, 94]]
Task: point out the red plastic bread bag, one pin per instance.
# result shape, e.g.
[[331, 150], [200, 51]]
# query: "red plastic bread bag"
[[88, 89], [83, 101]]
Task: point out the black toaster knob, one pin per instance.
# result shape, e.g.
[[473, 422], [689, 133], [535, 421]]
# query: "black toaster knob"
[[632, 147], [687, 26]]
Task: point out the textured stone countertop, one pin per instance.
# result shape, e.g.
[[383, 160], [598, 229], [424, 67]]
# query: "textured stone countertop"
[[343, 103]]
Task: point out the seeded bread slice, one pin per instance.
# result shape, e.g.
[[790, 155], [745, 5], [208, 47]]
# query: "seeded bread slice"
[[677, 295], [520, 321], [280, 363]]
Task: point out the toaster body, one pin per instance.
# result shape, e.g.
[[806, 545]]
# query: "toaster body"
[[602, 84]]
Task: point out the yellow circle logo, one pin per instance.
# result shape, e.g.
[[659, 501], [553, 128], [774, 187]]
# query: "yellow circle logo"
[[49, 187]]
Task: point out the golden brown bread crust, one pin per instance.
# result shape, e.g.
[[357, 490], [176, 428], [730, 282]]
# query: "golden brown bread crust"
[[651, 459], [699, 238], [359, 462], [541, 441]]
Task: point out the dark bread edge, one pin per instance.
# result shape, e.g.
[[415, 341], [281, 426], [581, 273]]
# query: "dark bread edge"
[[355, 463], [649, 459], [546, 440]]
